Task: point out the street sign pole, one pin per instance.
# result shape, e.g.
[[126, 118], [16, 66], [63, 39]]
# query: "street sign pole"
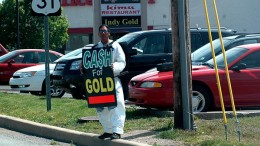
[[47, 68], [46, 8]]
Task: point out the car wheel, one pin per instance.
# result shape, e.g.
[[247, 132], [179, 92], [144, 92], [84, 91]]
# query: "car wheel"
[[54, 91], [201, 99]]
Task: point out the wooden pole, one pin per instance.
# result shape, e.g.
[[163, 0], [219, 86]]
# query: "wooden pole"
[[183, 115]]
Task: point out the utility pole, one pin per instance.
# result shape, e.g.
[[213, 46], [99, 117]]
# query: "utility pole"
[[183, 114]]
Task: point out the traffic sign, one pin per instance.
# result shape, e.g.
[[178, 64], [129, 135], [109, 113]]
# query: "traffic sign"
[[46, 7]]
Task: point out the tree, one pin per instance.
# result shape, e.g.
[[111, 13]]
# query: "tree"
[[31, 28]]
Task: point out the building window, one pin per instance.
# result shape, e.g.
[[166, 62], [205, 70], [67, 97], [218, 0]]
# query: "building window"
[[78, 41]]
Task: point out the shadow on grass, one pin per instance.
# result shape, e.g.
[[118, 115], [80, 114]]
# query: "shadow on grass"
[[146, 113]]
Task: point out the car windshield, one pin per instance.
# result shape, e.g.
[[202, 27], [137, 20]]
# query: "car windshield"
[[231, 55], [7, 56], [127, 38], [70, 54], [203, 54]]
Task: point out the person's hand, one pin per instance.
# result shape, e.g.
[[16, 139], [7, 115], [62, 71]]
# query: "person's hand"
[[112, 66], [81, 71]]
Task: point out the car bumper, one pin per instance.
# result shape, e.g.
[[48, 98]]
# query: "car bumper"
[[71, 84], [27, 84], [151, 97]]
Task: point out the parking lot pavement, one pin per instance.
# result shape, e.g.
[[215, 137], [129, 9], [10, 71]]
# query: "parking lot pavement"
[[6, 88]]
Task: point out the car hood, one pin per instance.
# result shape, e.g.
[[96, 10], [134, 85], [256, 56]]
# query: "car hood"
[[199, 67], [40, 67]]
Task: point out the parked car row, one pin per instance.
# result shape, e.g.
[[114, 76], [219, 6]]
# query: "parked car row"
[[143, 49], [18, 59], [32, 79], [154, 89], [67, 77]]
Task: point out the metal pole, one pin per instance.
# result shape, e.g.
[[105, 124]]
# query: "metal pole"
[[47, 68], [17, 24], [185, 69]]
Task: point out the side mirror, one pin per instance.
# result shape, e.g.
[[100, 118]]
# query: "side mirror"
[[239, 67], [168, 66], [133, 51]]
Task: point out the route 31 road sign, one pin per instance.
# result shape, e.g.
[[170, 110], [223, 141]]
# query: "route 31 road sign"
[[46, 7]]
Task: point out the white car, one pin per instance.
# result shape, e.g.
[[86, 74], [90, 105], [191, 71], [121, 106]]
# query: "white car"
[[32, 79]]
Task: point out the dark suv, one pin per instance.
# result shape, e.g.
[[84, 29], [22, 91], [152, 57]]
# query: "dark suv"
[[143, 50]]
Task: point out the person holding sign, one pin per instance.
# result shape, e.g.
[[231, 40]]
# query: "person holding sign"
[[112, 118]]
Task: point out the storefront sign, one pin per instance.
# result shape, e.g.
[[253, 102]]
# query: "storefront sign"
[[151, 1], [119, 1], [99, 77], [133, 9], [120, 21], [121, 13], [65, 3]]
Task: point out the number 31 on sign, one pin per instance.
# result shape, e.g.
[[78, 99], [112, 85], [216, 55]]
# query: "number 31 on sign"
[[46, 7]]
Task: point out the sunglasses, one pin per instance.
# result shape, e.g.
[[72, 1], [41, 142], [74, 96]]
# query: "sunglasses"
[[103, 31]]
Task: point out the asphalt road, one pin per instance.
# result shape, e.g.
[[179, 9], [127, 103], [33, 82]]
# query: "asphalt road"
[[7, 89], [12, 138]]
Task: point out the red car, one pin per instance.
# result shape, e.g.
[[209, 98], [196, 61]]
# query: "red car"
[[154, 89], [18, 59], [2, 50]]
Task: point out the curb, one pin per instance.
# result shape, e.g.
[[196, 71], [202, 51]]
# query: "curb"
[[60, 134], [229, 114], [213, 114]]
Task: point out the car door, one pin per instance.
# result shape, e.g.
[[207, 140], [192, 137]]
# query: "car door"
[[246, 82], [41, 57], [22, 60], [196, 41], [152, 50]]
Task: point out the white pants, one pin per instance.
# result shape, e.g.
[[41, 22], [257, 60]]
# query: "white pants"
[[113, 118]]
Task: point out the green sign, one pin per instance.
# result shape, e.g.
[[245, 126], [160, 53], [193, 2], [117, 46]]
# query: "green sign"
[[99, 77]]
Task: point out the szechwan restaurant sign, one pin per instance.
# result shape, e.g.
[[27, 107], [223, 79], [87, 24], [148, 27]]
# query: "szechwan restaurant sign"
[[99, 77]]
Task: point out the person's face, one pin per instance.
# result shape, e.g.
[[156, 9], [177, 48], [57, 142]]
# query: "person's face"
[[104, 34]]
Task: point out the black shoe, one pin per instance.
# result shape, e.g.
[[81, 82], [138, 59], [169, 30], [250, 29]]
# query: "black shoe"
[[115, 136], [105, 135]]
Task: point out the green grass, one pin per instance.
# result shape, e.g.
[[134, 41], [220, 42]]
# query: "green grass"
[[65, 113]]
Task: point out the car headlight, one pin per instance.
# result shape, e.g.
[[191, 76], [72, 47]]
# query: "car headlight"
[[24, 74], [151, 85], [75, 65]]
